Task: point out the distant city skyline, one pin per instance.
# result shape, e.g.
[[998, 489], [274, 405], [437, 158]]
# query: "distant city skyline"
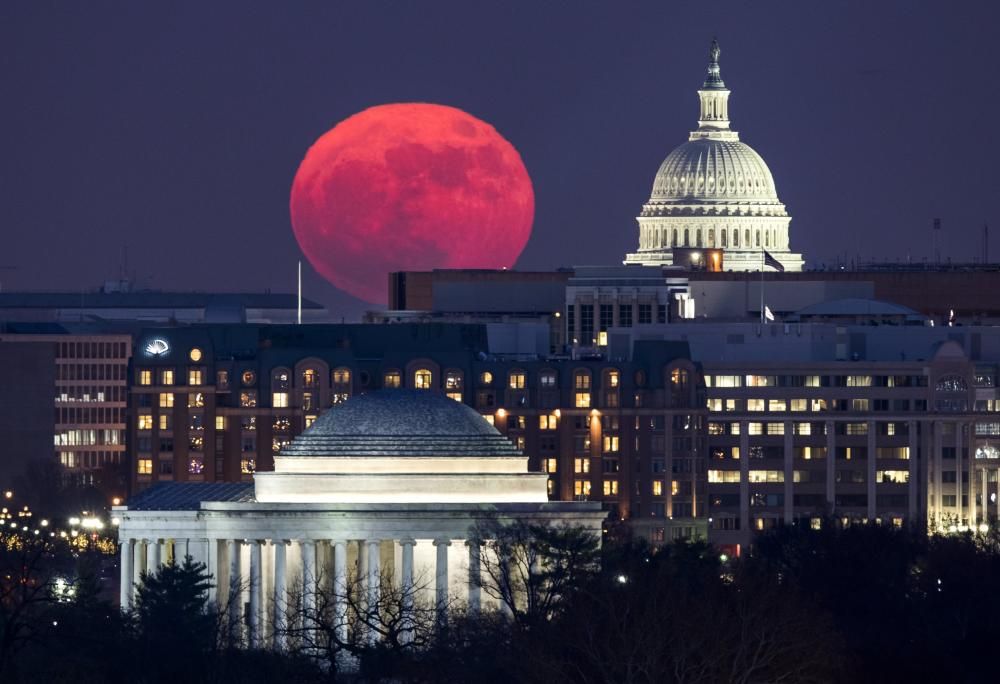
[[174, 133]]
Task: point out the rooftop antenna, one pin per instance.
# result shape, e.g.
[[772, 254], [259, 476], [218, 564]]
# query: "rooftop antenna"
[[298, 317], [937, 240]]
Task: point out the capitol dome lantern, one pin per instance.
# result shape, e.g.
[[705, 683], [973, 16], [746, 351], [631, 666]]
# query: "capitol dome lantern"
[[715, 192]]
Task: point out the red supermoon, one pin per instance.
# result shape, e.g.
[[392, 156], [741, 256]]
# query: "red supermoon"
[[409, 187]]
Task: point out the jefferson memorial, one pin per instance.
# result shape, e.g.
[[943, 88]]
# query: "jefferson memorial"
[[715, 192], [389, 480]]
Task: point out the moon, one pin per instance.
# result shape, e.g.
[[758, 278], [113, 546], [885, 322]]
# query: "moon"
[[409, 187]]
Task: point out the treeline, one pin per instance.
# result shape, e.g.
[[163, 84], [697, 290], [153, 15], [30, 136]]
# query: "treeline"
[[862, 604]]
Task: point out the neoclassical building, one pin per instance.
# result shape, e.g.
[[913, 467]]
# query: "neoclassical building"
[[714, 192], [392, 479]]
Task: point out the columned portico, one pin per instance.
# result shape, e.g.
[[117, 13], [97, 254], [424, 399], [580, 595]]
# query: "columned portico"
[[420, 479]]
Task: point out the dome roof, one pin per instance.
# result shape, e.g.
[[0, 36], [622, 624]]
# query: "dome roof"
[[400, 422], [709, 170]]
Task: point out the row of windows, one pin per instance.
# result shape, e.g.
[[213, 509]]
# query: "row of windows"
[[91, 371], [751, 380], [92, 350]]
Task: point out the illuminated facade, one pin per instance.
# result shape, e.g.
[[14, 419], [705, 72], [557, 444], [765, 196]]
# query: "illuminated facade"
[[383, 487], [90, 403], [715, 192]]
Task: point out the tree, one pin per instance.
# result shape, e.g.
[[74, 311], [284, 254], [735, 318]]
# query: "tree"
[[533, 569], [172, 616]]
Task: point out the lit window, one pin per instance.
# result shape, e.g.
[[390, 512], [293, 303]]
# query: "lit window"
[[613, 378], [611, 488], [457, 396], [279, 399], [220, 422], [144, 466], [724, 476], [166, 399], [657, 487], [602, 338], [798, 405], [310, 378], [766, 476], [196, 400], [194, 376], [391, 379], [310, 419], [248, 466], [892, 476], [341, 376], [338, 398], [222, 379], [486, 378], [550, 487], [581, 381], [165, 423], [195, 355], [489, 418], [145, 377], [145, 421], [550, 465], [761, 380], [422, 379], [248, 378], [167, 376], [547, 380], [453, 380], [610, 443], [755, 404], [581, 487], [517, 380], [583, 399], [581, 465], [548, 422], [248, 399], [777, 405]]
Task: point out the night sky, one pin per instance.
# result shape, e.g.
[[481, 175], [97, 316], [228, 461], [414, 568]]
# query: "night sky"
[[175, 130]]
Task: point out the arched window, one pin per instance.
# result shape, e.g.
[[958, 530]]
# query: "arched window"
[[281, 381], [736, 238], [697, 237], [711, 237], [517, 380], [758, 239], [746, 237], [722, 234], [423, 378], [391, 379], [310, 378], [687, 238], [673, 242], [341, 385]]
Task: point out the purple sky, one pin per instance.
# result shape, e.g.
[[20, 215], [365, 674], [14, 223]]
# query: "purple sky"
[[175, 130]]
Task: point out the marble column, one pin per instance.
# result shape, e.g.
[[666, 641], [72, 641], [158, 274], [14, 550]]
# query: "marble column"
[[153, 556], [125, 592], [474, 577], [406, 587], [212, 562], [254, 637], [340, 589], [234, 598], [280, 598], [182, 549], [309, 589], [441, 574], [138, 563], [374, 567]]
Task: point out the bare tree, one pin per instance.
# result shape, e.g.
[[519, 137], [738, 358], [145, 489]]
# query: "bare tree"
[[27, 586], [532, 569]]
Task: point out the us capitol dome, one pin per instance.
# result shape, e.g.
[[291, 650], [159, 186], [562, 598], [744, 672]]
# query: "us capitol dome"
[[715, 192]]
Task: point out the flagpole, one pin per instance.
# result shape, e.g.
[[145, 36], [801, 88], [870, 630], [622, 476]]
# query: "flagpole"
[[762, 286]]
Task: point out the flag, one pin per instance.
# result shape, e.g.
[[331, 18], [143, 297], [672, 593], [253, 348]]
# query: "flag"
[[772, 262], [767, 314]]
